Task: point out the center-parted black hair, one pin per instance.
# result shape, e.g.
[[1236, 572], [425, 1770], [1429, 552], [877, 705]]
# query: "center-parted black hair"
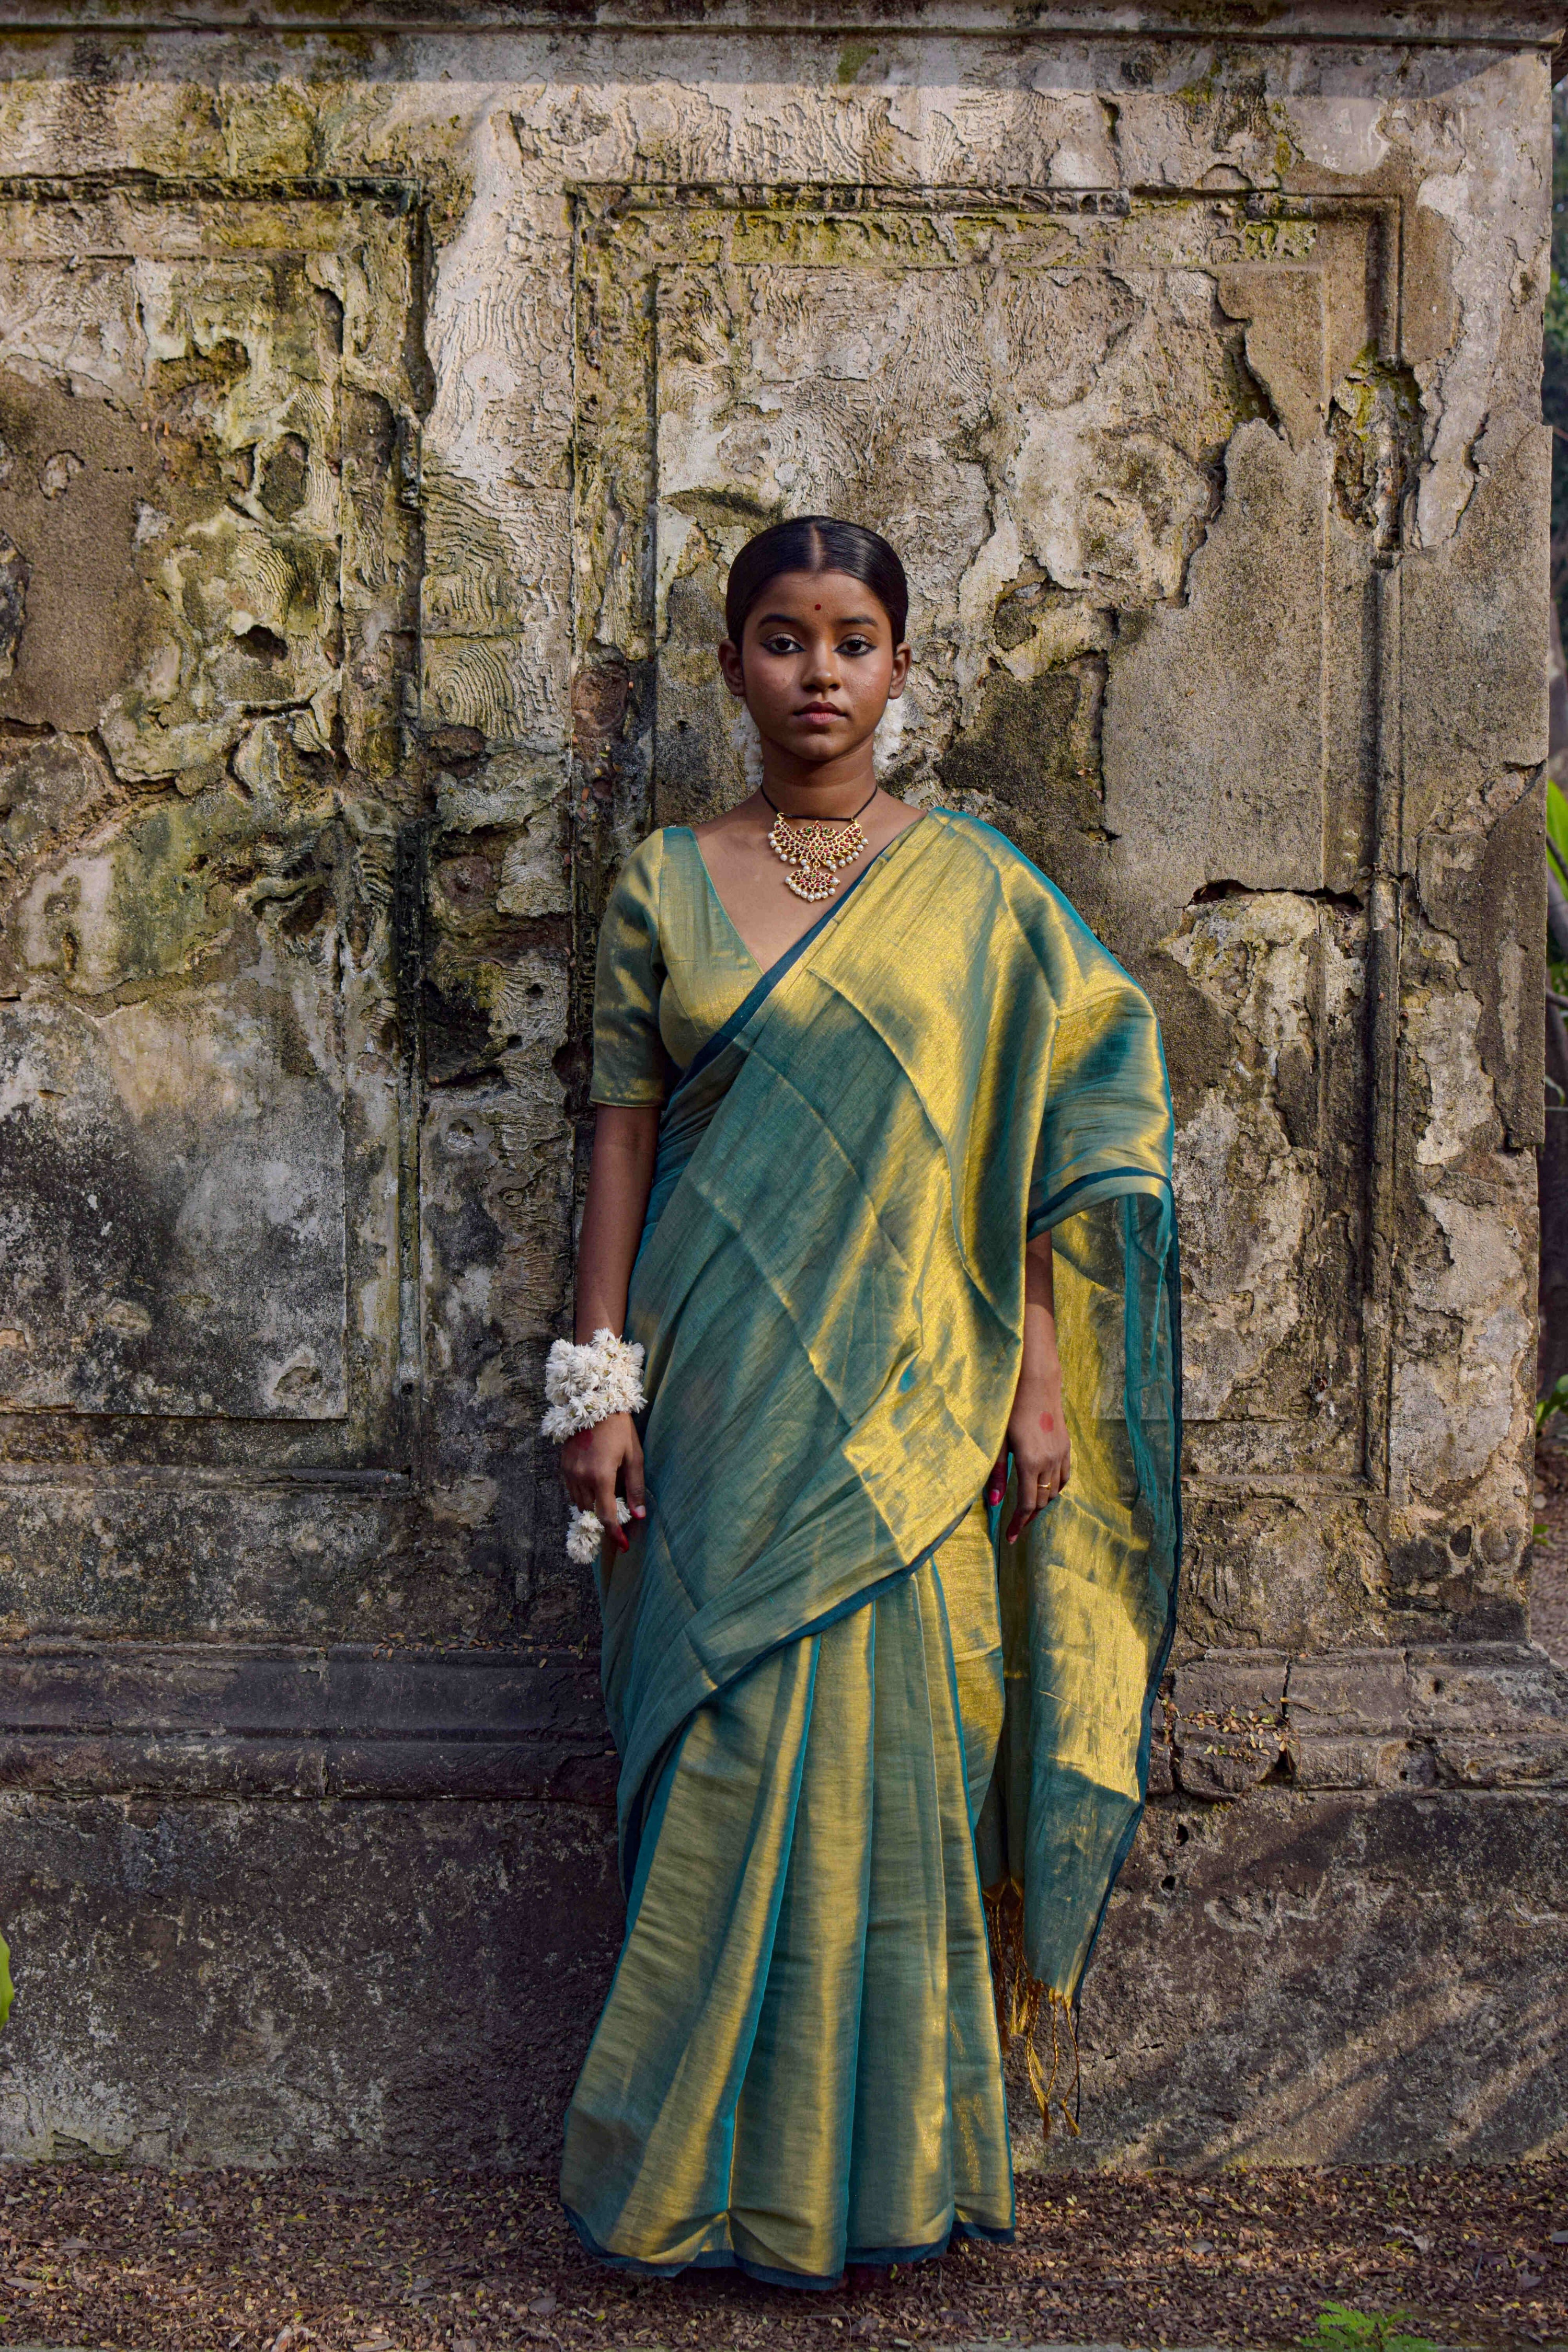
[[816, 543]]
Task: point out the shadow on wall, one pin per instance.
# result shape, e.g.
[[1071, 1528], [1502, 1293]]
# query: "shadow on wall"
[[1302, 1994]]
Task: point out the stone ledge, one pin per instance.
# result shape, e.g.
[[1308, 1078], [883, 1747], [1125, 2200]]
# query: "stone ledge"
[[341, 1722], [1514, 23], [1490, 1715], [194, 1720]]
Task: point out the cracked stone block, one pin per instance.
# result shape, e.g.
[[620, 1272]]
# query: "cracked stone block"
[[1498, 1688], [1229, 1729], [1350, 1693], [1505, 1763], [1320, 1762], [1306, 1973]]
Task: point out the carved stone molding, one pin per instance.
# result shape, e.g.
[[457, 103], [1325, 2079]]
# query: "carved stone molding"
[[208, 1722]]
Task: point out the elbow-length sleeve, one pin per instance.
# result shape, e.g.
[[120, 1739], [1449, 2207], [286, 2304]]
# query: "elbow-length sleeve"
[[631, 1065]]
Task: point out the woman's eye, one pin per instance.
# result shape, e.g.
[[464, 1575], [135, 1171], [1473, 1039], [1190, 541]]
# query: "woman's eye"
[[780, 646], [857, 645]]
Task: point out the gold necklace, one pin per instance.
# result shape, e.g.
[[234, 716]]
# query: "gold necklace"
[[814, 848]]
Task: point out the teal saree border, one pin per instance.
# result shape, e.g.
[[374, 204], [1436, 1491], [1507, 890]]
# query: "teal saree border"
[[814, 2282], [1173, 1276], [758, 995], [1120, 1182]]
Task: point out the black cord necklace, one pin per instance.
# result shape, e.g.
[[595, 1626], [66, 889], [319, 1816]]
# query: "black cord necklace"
[[814, 848], [790, 818]]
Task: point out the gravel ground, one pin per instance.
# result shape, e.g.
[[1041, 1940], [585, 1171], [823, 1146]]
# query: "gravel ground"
[[233, 2261]]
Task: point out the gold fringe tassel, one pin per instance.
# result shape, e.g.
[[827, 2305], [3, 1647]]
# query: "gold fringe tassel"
[[1020, 1998]]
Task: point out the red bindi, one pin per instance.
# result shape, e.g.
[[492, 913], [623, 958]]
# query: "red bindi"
[[817, 608]]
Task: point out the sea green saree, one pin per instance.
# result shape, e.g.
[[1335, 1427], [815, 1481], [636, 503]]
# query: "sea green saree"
[[811, 1646]]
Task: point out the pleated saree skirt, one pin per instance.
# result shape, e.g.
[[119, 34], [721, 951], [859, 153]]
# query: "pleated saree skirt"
[[798, 2065]]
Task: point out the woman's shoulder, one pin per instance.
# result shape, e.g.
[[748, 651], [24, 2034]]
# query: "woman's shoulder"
[[989, 851], [1058, 935], [642, 871], [655, 848]]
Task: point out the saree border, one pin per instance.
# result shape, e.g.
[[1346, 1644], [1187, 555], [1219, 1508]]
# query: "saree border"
[[1173, 1278], [725, 2258], [766, 981], [1119, 1183], [848, 1607]]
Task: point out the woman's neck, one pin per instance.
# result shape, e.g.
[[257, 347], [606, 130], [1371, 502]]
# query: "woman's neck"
[[837, 788]]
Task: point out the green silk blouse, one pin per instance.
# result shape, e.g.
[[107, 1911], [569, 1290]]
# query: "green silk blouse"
[[671, 970]]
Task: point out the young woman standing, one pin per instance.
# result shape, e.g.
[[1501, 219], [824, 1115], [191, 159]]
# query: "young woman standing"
[[871, 1421]]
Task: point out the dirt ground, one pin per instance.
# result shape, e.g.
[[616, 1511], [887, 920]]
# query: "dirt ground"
[[232, 2262]]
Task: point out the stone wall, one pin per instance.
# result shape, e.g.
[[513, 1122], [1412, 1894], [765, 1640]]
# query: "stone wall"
[[381, 400]]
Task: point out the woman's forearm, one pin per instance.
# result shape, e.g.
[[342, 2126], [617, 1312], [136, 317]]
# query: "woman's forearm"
[[620, 1177], [1040, 1360], [1036, 1426]]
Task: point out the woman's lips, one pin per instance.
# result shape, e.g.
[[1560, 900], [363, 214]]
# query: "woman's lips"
[[820, 710]]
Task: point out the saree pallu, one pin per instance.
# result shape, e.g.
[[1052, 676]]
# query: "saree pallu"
[[798, 2063]]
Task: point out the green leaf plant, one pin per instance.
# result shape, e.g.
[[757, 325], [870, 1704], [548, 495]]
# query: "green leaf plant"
[[1554, 1400], [1338, 2328]]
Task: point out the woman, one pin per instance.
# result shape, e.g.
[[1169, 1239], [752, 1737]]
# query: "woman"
[[881, 1185]]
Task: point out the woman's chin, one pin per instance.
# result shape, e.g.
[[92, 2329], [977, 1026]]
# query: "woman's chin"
[[815, 747]]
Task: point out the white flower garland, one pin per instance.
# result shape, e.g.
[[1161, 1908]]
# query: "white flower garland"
[[585, 1533], [582, 1386]]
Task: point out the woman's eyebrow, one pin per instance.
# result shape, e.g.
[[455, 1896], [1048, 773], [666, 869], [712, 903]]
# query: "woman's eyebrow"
[[783, 621]]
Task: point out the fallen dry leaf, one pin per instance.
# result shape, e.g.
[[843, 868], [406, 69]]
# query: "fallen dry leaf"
[[189, 2262]]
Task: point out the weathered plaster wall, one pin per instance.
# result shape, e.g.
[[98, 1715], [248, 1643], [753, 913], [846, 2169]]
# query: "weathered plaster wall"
[[378, 412]]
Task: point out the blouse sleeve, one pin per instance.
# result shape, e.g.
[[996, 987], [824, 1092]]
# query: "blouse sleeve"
[[630, 1064]]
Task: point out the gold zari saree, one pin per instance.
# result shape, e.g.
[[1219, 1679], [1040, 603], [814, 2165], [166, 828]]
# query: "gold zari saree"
[[808, 1647]]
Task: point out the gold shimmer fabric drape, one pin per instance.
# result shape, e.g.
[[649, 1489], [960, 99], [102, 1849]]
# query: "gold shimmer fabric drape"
[[811, 1646]]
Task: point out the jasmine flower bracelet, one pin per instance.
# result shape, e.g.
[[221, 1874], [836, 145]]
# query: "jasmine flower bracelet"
[[582, 1386]]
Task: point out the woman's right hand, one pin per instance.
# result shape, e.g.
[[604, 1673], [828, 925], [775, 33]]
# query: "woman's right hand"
[[596, 1462]]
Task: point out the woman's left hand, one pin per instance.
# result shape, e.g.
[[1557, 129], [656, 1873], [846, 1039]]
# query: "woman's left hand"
[[1038, 1442], [1036, 1426]]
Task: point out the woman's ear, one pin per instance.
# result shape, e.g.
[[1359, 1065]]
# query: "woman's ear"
[[901, 660], [734, 675]]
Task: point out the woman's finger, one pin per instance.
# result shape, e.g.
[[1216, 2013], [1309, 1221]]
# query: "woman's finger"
[[1028, 1502], [996, 1481], [609, 1518], [636, 1500]]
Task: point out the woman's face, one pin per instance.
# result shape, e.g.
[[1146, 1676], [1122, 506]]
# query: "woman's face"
[[816, 664]]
